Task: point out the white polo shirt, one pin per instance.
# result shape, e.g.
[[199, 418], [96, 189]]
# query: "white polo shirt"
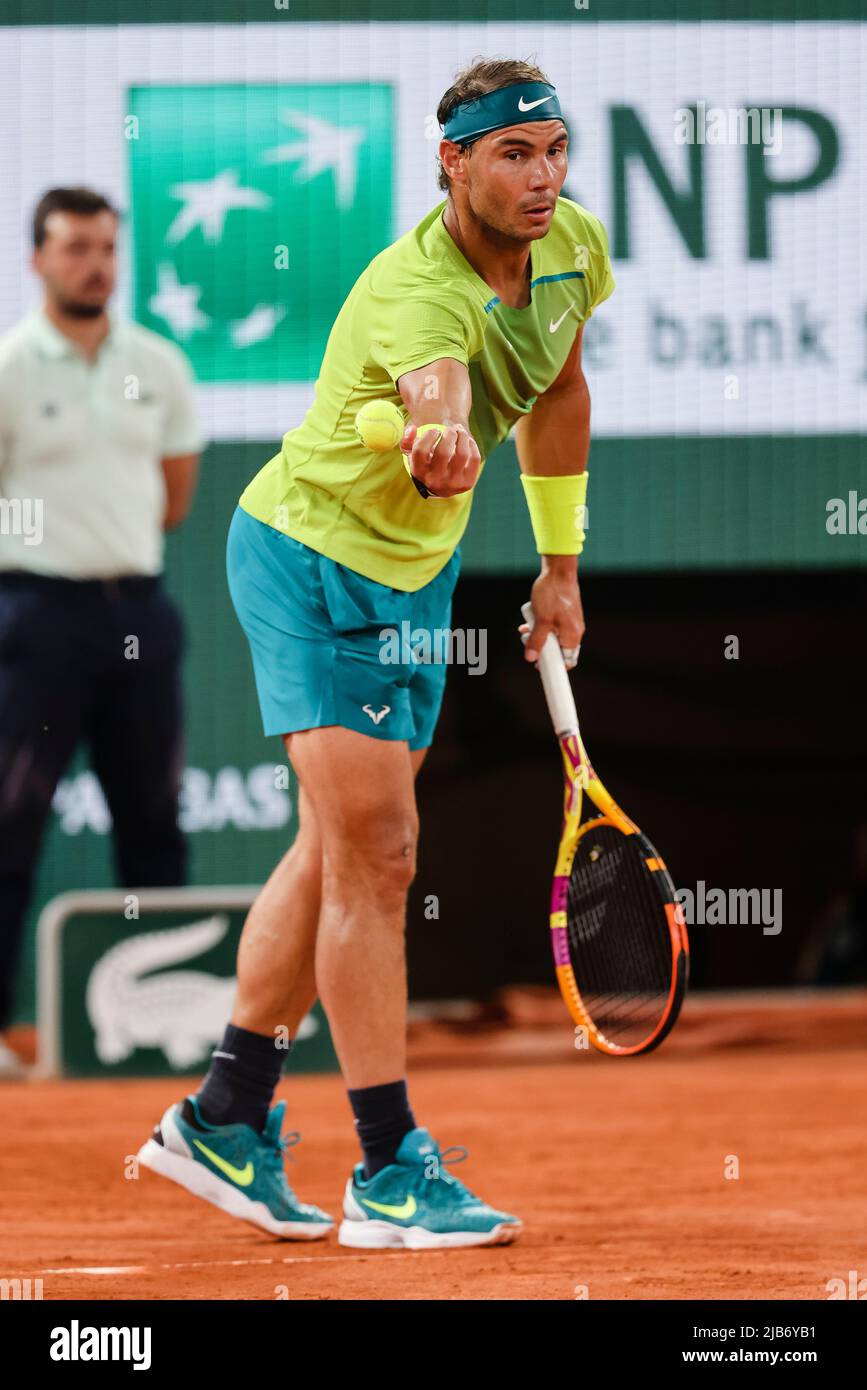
[[82, 492]]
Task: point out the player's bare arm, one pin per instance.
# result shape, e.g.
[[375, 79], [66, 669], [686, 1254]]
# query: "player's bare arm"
[[439, 393], [553, 440], [181, 474]]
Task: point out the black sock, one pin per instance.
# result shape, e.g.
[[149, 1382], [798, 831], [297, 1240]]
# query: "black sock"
[[239, 1086], [382, 1118]]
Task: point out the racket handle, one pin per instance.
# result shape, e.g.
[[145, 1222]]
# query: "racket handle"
[[555, 681]]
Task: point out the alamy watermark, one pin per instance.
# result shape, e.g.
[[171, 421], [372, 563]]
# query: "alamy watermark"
[[846, 516], [729, 125], [438, 646], [852, 1287], [22, 516], [735, 907], [77, 1343], [20, 1290]]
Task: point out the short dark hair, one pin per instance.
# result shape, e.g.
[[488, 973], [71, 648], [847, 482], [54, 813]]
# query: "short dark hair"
[[482, 76], [81, 200]]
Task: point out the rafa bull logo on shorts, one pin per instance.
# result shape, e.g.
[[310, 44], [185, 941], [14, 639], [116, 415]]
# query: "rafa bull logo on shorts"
[[386, 709]]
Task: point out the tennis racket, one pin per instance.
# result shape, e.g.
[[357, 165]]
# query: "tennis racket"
[[619, 939]]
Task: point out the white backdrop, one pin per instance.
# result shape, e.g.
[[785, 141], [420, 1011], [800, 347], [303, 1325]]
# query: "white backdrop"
[[64, 90]]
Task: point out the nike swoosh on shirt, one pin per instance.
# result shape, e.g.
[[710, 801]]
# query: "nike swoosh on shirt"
[[552, 326], [406, 1208], [242, 1176], [528, 105]]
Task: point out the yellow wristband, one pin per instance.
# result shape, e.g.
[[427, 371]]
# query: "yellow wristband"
[[557, 511]]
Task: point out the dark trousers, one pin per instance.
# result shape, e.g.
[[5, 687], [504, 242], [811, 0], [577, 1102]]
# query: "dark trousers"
[[96, 662]]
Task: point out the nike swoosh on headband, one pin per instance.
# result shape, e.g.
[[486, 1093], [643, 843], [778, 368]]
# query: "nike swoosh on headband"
[[509, 105]]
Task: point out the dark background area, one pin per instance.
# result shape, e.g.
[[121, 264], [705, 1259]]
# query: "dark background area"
[[746, 773]]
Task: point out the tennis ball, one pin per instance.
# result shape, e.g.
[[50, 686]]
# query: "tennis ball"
[[423, 429], [380, 426]]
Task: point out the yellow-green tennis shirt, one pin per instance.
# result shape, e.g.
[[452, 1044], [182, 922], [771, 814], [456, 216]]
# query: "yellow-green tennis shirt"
[[417, 301]]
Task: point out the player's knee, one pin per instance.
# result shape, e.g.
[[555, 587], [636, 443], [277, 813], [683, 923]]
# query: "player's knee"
[[389, 859], [379, 859], [397, 863]]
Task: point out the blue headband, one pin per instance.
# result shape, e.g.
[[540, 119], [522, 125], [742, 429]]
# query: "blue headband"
[[512, 105]]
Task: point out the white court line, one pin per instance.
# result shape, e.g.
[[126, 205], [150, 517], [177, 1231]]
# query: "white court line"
[[99, 1269], [206, 1264]]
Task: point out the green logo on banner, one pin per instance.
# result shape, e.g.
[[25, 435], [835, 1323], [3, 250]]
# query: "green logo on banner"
[[254, 210], [149, 996]]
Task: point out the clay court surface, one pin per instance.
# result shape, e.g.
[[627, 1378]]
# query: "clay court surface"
[[616, 1167]]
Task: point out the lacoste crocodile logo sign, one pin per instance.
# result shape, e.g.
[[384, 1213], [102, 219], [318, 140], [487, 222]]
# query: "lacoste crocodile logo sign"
[[181, 1012]]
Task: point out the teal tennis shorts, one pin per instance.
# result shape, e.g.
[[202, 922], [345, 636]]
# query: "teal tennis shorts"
[[331, 646]]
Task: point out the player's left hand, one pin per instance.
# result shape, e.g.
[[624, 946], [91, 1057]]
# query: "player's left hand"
[[557, 608]]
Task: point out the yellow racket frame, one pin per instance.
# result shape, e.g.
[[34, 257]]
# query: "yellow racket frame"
[[580, 778]]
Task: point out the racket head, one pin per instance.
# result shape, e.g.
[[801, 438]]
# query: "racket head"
[[619, 939]]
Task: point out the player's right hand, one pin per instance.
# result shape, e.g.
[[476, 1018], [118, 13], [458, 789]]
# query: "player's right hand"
[[447, 461]]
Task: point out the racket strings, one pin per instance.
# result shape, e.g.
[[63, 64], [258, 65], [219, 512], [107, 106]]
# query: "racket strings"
[[617, 930]]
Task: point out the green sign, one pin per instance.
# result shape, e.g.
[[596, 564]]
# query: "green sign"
[[147, 994], [254, 210], [587, 13]]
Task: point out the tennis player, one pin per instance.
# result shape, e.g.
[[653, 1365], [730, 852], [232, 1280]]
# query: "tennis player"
[[472, 322]]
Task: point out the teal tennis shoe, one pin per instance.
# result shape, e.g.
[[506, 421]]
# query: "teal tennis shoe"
[[235, 1168], [417, 1204]]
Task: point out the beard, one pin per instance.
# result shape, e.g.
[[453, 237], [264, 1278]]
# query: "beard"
[[493, 225], [76, 309]]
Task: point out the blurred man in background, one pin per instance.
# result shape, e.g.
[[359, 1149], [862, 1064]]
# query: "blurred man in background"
[[99, 447]]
